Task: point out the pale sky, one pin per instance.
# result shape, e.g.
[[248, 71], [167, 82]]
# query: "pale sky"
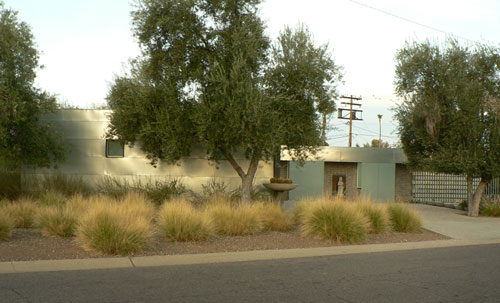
[[85, 42]]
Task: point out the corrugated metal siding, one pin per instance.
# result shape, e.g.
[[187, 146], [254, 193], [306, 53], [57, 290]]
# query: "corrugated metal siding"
[[84, 133]]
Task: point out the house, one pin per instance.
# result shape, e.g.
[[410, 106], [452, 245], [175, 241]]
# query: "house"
[[377, 172], [380, 173], [91, 156]]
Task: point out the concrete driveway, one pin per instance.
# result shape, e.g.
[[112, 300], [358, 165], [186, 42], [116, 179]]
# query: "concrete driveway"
[[457, 225]]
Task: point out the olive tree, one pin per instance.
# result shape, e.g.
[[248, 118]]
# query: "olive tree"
[[449, 120], [23, 139], [203, 78]]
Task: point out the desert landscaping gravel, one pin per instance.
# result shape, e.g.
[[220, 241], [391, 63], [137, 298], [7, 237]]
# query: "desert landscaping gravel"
[[28, 244]]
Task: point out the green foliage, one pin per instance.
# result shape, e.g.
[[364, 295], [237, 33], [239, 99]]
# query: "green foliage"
[[335, 220], [374, 143], [65, 184], [57, 221], [10, 184], [205, 67], [156, 190], [180, 221], [449, 120], [6, 225], [52, 198], [404, 218], [490, 206], [23, 139], [308, 75]]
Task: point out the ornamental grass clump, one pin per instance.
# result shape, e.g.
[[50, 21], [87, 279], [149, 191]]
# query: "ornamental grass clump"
[[178, 220], [22, 212], [6, 224], [300, 209], [404, 218], [233, 221], [52, 198], [490, 207], [380, 221], [55, 221], [335, 220], [139, 204], [112, 227], [273, 218]]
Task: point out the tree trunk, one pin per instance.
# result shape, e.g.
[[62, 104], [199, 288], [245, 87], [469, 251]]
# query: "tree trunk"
[[470, 193], [476, 200], [246, 178], [246, 189]]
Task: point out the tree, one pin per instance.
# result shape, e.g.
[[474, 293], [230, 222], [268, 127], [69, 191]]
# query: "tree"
[[306, 72], [449, 120], [203, 79], [23, 139], [375, 143]]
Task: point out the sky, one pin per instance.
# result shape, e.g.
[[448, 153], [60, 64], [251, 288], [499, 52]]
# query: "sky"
[[84, 44]]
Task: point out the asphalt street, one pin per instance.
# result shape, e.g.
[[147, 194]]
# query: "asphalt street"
[[453, 274]]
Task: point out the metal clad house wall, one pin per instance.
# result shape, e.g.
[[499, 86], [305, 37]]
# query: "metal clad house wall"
[[310, 178], [378, 180], [84, 133]]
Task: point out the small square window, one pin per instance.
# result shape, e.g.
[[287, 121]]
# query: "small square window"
[[114, 149]]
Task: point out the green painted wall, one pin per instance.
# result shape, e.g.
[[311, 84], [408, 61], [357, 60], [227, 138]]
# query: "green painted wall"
[[377, 180], [310, 177]]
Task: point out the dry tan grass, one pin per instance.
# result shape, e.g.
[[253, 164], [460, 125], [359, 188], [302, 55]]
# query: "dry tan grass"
[[273, 218], [233, 221], [116, 227], [335, 219], [178, 220], [57, 221], [22, 212]]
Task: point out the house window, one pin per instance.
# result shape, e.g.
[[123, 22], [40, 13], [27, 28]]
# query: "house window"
[[114, 149]]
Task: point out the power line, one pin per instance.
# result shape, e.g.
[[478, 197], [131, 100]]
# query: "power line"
[[410, 21]]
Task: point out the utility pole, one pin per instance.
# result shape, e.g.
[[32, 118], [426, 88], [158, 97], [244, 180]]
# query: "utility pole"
[[379, 130], [354, 114]]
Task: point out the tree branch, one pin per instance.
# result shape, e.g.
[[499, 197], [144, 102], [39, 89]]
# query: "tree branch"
[[234, 164]]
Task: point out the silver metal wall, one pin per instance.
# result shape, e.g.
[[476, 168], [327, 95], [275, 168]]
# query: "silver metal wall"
[[84, 130], [356, 154]]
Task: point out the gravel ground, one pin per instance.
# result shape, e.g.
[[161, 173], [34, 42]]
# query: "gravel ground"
[[28, 244]]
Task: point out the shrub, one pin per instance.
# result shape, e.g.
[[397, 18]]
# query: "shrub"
[[335, 220], [157, 191], [114, 228], [52, 198], [378, 215], [490, 207], [300, 209], [273, 218], [179, 221], [404, 218], [22, 212], [57, 221], [10, 184], [66, 185], [5, 225], [234, 221]]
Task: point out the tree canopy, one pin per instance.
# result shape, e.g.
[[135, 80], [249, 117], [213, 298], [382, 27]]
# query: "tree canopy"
[[23, 140], [449, 120], [207, 76]]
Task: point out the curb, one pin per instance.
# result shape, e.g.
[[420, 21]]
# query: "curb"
[[247, 256]]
